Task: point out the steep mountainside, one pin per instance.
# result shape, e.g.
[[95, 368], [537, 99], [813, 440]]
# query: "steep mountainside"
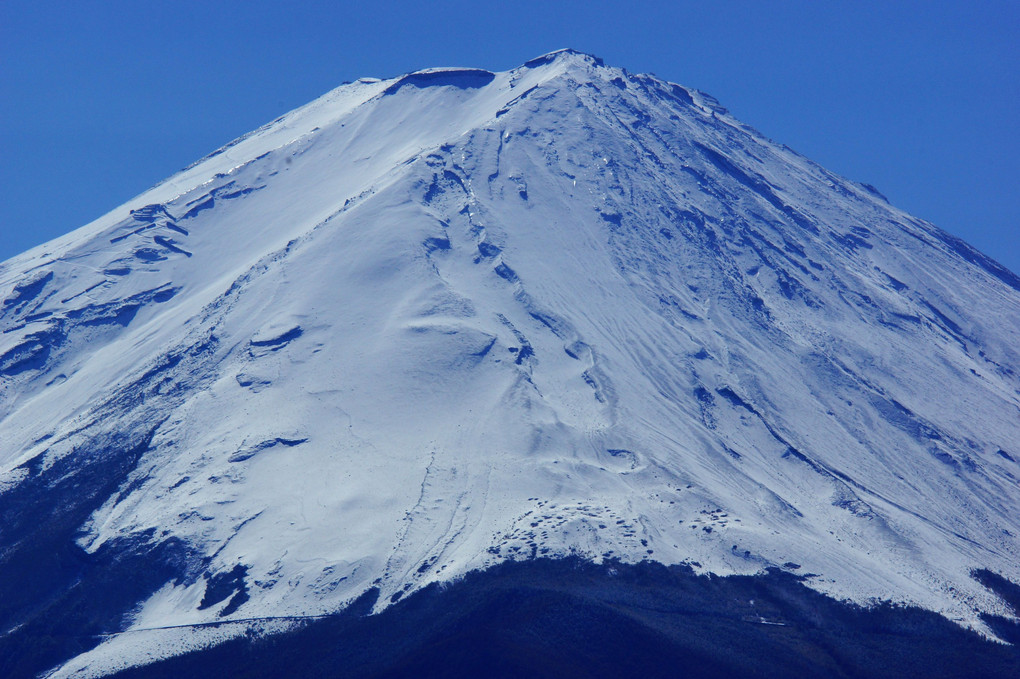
[[426, 325]]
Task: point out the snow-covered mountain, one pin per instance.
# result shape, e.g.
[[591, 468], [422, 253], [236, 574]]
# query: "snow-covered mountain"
[[428, 324]]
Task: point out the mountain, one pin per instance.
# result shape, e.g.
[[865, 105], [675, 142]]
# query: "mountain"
[[563, 327]]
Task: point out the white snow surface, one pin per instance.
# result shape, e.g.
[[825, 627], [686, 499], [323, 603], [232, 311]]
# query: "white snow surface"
[[426, 324]]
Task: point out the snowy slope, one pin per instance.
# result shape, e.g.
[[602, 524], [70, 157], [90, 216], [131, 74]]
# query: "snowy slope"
[[426, 324]]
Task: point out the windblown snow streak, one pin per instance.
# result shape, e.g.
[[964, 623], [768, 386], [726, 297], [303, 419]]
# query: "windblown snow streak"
[[424, 325]]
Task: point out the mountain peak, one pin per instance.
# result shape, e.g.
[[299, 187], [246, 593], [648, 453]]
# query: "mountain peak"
[[427, 325], [565, 54]]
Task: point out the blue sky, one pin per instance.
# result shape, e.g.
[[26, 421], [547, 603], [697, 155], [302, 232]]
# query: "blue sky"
[[100, 100]]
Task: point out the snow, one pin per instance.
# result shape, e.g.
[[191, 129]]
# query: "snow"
[[425, 324]]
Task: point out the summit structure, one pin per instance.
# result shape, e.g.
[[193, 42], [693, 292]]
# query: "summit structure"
[[427, 325]]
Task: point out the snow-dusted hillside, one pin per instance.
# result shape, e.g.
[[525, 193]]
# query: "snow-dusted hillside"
[[427, 324]]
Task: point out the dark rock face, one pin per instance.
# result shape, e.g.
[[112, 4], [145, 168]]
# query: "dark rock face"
[[569, 618], [56, 600]]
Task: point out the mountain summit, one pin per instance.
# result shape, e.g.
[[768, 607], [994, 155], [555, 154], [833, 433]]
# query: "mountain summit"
[[428, 325]]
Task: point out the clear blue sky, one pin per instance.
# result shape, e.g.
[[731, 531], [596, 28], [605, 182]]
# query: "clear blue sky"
[[100, 100]]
